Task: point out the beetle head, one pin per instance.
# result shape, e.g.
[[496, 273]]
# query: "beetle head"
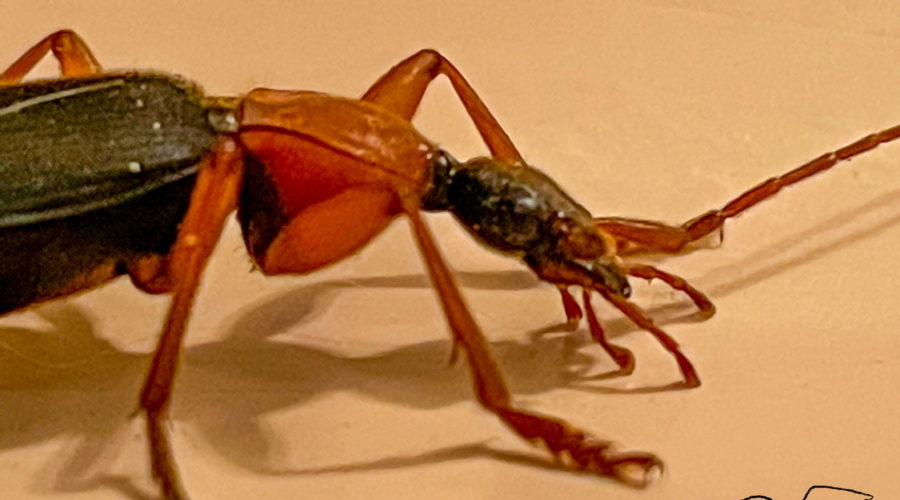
[[518, 210]]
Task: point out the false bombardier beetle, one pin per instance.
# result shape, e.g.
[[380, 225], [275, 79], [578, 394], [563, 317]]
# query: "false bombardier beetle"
[[104, 174]]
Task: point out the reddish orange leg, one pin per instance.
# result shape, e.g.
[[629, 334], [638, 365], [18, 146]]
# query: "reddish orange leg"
[[706, 307], [587, 453], [622, 356], [402, 87], [214, 197], [401, 90], [74, 56], [647, 236]]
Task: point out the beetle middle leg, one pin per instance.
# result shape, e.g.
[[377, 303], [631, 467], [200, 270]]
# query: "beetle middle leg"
[[74, 56], [588, 453], [214, 197]]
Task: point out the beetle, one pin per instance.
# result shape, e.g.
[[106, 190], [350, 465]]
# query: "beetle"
[[104, 174]]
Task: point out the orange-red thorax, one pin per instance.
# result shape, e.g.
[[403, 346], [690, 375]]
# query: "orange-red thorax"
[[335, 167]]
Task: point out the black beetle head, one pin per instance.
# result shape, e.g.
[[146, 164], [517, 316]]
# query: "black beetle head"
[[519, 210]]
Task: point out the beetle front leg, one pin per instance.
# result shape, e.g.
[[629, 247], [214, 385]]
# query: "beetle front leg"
[[74, 56], [587, 453], [573, 312], [213, 199]]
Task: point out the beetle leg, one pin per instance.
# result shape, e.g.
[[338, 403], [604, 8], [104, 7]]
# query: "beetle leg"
[[648, 236], [561, 438], [74, 56], [401, 89], [214, 197], [706, 307]]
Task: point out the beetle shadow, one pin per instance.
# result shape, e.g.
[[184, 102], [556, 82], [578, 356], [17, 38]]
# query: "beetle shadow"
[[65, 382], [280, 374], [303, 304]]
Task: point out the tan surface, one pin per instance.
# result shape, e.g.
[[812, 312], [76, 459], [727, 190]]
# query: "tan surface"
[[657, 109]]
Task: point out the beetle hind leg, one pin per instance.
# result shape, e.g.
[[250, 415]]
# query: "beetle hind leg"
[[150, 274], [74, 56], [213, 199]]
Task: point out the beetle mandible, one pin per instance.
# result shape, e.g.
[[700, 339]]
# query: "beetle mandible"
[[105, 174]]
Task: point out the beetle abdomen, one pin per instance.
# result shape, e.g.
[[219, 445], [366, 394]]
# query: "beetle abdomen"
[[53, 258]]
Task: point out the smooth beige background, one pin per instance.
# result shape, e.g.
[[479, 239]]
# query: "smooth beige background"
[[335, 385]]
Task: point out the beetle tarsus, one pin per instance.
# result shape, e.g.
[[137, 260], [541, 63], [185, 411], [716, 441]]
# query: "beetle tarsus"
[[588, 454]]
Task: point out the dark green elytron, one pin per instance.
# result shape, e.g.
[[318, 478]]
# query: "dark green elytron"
[[94, 174]]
